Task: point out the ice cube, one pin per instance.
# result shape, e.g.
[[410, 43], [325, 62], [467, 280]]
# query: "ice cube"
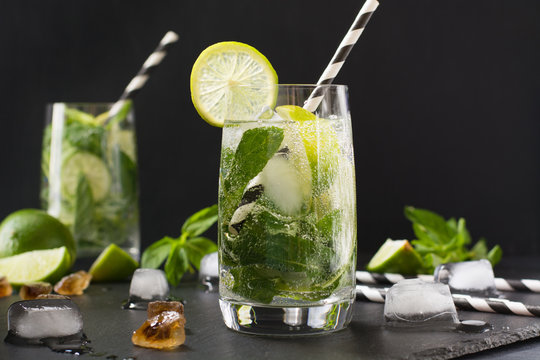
[[5, 287], [73, 284], [32, 290], [147, 285], [468, 276], [209, 271], [414, 302], [163, 331], [52, 296], [157, 307], [29, 321]]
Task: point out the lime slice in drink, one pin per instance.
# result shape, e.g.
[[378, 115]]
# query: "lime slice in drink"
[[38, 265], [296, 113], [113, 264], [92, 167], [396, 256], [321, 144], [217, 71]]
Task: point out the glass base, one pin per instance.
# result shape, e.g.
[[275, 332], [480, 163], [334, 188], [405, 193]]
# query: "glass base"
[[286, 321]]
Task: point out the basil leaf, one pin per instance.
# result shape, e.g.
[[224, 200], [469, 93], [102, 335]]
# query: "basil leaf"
[[177, 264], [199, 222], [197, 248], [156, 253]]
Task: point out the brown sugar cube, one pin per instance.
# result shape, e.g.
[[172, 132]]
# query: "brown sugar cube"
[[157, 307], [73, 284], [163, 331], [33, 290], [5, 287]]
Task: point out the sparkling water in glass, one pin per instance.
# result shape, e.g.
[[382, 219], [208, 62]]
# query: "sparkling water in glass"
[[287, 216]]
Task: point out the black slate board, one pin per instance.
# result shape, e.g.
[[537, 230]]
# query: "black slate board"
[[109, 328]]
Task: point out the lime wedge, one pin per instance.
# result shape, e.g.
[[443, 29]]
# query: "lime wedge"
[[293, 112], [217, 71], [113, 264], [92, 167], [396, 256], [38, 265]]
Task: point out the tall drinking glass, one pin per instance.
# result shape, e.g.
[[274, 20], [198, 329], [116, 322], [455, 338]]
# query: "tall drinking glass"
[[287, 216], [89, 175]]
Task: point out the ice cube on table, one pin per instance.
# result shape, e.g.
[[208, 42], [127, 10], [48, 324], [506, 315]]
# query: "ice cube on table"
[[147, 285], [415, 302], [209, 271], [467, 276], [29, 321]]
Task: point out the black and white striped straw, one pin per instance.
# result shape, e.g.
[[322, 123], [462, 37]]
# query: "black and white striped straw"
[[529, 285], [142, 76], [341, 54], [462, 302]]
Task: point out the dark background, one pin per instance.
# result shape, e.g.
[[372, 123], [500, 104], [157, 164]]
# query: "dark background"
[[444, 97]]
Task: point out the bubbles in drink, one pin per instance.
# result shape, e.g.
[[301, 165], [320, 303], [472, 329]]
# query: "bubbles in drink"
[[414, 302], [468, 276], [73, 284], [33, 290], [147, 285]]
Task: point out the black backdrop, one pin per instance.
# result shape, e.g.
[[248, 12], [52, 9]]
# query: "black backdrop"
[[445, 101]]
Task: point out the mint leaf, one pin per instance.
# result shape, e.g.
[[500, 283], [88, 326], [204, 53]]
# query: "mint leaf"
[[86, 137], [177, 264], [126, 170], [197, 248], [256, 147], [255, 282], [495, 255], [83, 223], [432, 224], [201, 221], [156, 253]]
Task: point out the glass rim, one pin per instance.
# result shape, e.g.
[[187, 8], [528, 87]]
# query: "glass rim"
[[298, 86], [80, 103]]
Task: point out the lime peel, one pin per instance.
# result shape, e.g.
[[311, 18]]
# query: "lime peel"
[[113, 264]]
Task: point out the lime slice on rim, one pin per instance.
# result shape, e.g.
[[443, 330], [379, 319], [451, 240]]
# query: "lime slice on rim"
[[113, 264], [38, 265], [217, 71], [92, 167], [396, 256]]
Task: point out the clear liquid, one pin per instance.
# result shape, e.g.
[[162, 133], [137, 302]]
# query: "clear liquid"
[[296, 242]]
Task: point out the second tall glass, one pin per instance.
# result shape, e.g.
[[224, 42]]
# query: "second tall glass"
[[89, 175]]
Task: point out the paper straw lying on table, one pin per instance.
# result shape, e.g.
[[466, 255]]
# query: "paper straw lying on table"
[[341, 54], [142, 76], [367, 277], [462, 302]]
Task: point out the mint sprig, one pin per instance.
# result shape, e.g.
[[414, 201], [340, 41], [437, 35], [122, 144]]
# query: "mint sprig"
[[441, 241], [185, 252]]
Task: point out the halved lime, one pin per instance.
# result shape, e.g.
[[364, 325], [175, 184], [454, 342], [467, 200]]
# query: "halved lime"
[[217, 71], [113, 264], [92, 167], [38, 265], [396, 256]]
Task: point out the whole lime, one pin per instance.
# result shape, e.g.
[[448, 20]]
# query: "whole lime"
[[32, 229]]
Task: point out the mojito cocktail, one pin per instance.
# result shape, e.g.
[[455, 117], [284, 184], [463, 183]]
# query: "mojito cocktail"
[[287, 217], [89, 175]]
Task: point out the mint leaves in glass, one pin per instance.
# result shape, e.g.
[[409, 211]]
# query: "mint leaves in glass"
[[89, 175], [287, 218]]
